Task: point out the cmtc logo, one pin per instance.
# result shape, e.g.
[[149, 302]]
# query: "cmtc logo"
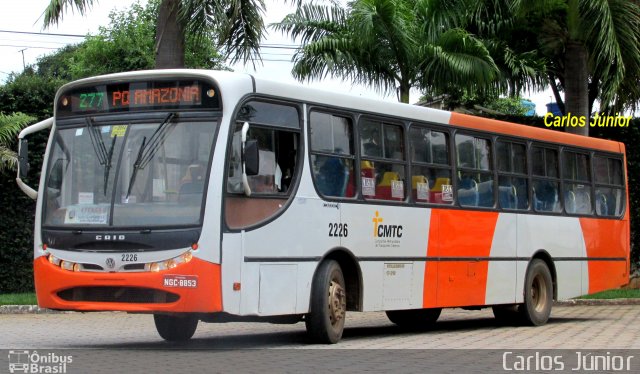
[[385, 231]]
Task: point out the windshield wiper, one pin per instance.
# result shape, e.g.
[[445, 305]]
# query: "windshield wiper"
[[148, 150], [96, 141], [104, 156], [107, 166]]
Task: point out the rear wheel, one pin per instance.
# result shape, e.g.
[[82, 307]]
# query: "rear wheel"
[[325, 321], [414, 318], [538, 294], [176, 327]]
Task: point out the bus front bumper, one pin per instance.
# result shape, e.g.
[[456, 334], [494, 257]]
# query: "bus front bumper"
[[193, 287]]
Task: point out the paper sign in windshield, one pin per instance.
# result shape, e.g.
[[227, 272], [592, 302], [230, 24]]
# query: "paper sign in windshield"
[[87, 215]]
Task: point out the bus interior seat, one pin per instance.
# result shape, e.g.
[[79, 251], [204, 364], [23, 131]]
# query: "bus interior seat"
[[570, 201], [435, 194], [383, 189], [583, 201], [602, 207], [545, 198], [333, 177], [508, 197], [468, 192], [414, 186]]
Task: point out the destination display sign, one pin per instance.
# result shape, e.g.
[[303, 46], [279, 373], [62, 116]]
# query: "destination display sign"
[[138, 96]]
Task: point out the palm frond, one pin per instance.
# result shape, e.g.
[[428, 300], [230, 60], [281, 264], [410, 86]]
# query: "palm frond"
[[10, 126], [458, 58], [56, 9], [238, 24]]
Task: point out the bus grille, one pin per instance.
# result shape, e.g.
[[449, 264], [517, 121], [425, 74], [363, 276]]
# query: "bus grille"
[[118, 295]]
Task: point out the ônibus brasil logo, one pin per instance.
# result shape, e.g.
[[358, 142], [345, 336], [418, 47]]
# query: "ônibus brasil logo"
[[31, 362]]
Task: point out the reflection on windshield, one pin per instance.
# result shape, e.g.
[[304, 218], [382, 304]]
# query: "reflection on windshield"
[[128, 174]]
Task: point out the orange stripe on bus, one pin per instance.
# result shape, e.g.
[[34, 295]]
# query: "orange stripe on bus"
[[606, 238], [457, 233], [507, 128]]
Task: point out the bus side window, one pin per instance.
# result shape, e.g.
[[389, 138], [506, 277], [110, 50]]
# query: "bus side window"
[[430, 167], [546, 184], [609, 191], [475, 175], [332, 154]]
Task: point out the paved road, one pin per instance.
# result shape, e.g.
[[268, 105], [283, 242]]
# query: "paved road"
[[131, 341]]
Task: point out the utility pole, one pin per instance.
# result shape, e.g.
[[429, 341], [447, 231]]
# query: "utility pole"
[[23, 64]]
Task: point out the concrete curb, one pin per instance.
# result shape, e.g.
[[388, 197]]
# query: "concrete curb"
[[595, 302], [34, 309], [26, 309]]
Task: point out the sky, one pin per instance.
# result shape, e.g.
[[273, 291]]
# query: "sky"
[[27, 16]]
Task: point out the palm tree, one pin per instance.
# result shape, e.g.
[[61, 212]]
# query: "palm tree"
[[10, 125], [392, 45], [594, 50], [238, 24]]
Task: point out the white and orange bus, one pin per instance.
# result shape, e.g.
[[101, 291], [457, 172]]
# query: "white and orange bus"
[[215, 196]]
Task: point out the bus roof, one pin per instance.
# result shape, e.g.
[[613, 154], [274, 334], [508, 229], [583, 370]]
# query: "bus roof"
[[374, 106]]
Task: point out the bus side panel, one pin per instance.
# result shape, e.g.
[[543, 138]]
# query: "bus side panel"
[[279, 258], [561, 238], [463, 247], [390, 244], [606, 238], [502, 274]]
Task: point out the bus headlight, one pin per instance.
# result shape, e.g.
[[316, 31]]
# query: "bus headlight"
[[170, 263], [54, 260]]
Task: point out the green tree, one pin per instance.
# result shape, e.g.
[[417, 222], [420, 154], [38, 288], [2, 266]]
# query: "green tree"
[[127, 44], [10, 126], [593, 48], [237, 25], [392, 45]]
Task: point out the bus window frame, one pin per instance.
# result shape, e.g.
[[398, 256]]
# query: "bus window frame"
[[565, 180], [355, 157], [287, 197]]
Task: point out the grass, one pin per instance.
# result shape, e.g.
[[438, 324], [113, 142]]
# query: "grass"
[[614, 294], [18, 299]]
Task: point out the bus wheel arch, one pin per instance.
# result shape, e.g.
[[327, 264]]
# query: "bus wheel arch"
[[352, 275]]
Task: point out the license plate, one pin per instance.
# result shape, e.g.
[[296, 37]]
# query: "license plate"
[[181, 281]]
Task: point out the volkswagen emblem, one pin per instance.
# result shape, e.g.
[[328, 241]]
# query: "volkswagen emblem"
[[111, 263]]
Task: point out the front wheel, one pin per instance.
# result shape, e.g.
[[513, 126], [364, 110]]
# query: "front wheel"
[[176, 327], [325, 321], [538, 294]]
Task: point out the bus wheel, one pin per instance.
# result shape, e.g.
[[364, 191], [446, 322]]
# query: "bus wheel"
[[538, 294], [325, 321], [414, 318], [176, 327]]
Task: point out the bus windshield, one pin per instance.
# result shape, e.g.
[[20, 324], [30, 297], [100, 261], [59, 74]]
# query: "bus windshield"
[[128, 173]]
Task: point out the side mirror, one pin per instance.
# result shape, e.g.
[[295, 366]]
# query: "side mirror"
[[23, 158], [251, 157]]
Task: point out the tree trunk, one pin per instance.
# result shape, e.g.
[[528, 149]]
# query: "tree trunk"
[[576, 88], [404, 92], [169, 47]]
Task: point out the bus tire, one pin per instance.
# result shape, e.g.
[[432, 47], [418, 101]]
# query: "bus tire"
[[325, 320], [414, 318], [175, 328], [538, 294]]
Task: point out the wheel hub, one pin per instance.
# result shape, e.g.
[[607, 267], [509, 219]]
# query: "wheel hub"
[[337, 302]]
